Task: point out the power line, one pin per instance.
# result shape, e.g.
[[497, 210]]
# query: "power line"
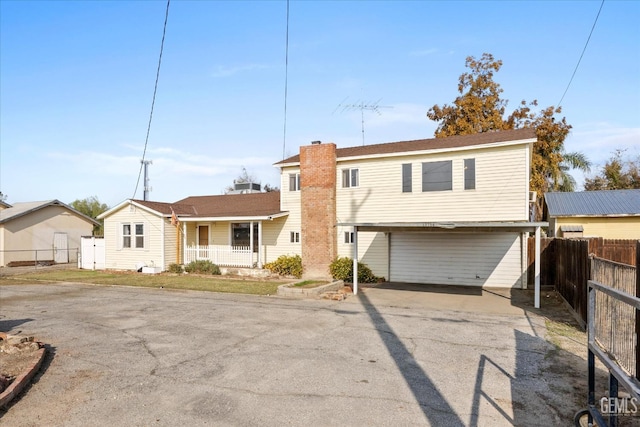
[[153, 100], [286, 75], [581, 55]]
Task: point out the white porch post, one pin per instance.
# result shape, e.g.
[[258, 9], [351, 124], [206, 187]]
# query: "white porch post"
[[259, 244], [355, 260], [184, 241], [537, 270], [251, 244]]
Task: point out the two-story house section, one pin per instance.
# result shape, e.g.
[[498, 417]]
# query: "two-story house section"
[[444, 211]]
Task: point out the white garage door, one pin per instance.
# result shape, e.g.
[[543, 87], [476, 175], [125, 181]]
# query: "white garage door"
[[470, 259]]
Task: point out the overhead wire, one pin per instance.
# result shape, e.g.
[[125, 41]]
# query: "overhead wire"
[[286, 78], [581, 55], [153, 100]]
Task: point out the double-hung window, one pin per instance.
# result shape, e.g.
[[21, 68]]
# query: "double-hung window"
[[133, 236], [294, 182], [348, 237], [350, 178], [436, 176]]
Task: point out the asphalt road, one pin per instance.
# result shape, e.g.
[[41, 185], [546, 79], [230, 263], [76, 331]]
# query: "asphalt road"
[[154, 357]]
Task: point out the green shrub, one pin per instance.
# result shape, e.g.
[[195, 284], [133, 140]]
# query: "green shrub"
[[286, 265], [202, 267], [342, 269], [175, 268]]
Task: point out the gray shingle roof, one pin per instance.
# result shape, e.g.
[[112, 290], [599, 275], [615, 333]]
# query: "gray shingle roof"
[[594, 203]]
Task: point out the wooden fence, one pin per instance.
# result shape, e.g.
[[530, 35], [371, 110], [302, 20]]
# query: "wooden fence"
[[565, 265], [615, 321]]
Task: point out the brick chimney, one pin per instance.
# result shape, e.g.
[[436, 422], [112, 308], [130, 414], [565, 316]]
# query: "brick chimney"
[[318, 208]]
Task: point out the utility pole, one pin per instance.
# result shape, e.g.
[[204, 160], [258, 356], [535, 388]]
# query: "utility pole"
[[147, 188]]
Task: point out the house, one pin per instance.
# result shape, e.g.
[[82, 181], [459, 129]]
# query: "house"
[[48, 231], [611, 214], [448, 211]]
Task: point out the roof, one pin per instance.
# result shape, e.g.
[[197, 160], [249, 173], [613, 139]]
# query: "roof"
[[458, 141], [594, 203], [234, 205], [25, 208], [221, 206]]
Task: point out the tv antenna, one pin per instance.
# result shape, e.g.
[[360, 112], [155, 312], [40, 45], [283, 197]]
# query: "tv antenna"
[[362, 106]]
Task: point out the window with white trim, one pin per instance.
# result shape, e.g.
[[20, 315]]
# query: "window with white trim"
[[348, 237], [295, 237], [133, 236], [294, 182], [350, 178]]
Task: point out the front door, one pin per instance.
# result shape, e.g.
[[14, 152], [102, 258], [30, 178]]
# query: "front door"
[[203, 241]]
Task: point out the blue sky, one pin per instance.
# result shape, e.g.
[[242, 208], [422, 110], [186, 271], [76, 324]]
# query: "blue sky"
[[77, 78]]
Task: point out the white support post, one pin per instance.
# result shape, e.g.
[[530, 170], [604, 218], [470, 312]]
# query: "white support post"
[[537, 270], [184, 241], [251, 244], [355, 260], [259, 244]]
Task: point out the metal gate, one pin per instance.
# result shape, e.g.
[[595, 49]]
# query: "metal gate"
[[92, 253], [60, 248]]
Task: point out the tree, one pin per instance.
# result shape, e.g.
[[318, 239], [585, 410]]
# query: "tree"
[[479, 108], [617, 174], [91, 207]]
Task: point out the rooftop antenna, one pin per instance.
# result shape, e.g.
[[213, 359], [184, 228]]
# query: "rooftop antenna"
[[362, 106], [146, 164]]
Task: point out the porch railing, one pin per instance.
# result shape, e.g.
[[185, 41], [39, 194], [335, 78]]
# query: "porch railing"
[[227, 256]]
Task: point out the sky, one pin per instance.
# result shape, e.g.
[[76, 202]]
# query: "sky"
[[77, 80]]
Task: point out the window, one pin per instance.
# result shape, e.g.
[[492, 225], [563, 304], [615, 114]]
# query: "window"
[[139, 236], [126, 235], [348, 237], [350, 178], [135, 240], [295, 237], [294, 182], [436, 176], [241, 235], [406, 178], [469, 174]]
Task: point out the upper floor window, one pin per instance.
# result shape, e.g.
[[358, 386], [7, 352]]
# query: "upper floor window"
[[350, 178], [469, 174], [294, 182], [406, 178], [133, 240], [436, 176], [295, 237]]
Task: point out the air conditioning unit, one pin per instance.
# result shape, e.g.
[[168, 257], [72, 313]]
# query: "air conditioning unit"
[[532, 196]]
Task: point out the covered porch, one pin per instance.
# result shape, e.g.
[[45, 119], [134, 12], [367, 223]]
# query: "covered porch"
[[227, 242]]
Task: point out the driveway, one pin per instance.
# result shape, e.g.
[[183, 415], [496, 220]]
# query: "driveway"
[[387, 357]]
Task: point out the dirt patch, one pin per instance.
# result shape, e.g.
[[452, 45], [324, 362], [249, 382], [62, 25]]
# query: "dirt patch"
[[16, 359]]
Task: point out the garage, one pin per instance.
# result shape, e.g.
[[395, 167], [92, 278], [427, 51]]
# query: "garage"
[[492, 259]]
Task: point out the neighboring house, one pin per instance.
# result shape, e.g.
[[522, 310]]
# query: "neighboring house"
[[447, 211], [47, 231], [611, 214]]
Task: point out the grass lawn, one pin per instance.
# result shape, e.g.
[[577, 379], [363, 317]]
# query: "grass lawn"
[[164, 280]]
